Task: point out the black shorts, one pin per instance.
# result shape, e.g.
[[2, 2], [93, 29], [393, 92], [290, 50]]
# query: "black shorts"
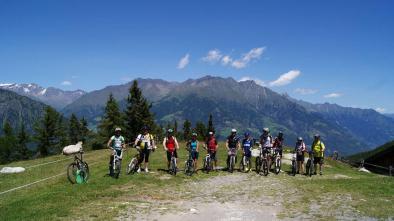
[[301, 158], [144, 155], [169, 155], [213, 155], [318, 160], [194, 155]]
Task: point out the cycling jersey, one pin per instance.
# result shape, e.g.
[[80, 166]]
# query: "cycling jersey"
[[232, 141], [247, 145], [278, 143], [300, 148], [144, 140], [266, 141], [170, 144], [117, 142], [193, 145], [318, 147], [211, 144]]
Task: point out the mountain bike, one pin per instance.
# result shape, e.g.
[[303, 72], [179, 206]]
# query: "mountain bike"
[[208, 166], [134, 163], [262, 162], [310, 164], [117, 162], [245, 164], [173, 167], [231, 163], [277, 161], [189, 165], [78, 171], [294, 164]]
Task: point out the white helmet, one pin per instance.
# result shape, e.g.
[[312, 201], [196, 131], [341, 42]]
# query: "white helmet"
[[266, 129], [118, 129], [234, 131]]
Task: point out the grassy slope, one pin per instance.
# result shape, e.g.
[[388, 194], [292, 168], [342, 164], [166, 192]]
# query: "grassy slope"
[[104, 197], [368, 154]]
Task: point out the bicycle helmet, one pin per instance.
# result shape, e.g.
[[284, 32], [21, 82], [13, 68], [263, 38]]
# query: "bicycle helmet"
[[170, 130], [316, 136], [266, 130], [194, 134], [145, 128], [247, 134], [210, 133], [280, 134], [233, 130], [118, 129], [300, 139]]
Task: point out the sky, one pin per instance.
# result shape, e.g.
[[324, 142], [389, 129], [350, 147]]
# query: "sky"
[[319, 51]]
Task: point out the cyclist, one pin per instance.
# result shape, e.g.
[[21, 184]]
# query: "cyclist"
[[115, 143], [247, 145], [211, 145], [318, 150], [266, 143], [145, 143], [232, 144], [278, 143], [193, 146], [170, 145], [300, 150]]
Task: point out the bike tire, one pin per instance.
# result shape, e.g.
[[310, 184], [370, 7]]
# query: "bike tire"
[[117, 169], [265, 168], [131, 168], [86, 172], [72, 172], [308, 168]]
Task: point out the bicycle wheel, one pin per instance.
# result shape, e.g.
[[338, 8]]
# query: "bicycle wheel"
[[265, 167], [85, 171], [117, 169], [131, 168], [72, 170], [308, 168], [293, 168]]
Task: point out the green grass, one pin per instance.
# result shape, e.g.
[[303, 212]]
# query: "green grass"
[[104, 197]]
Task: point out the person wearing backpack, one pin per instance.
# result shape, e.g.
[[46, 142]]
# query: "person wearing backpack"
[[171, 146], [211, 145], [318, 150], [145, 143], [193, 146], [115, 143]]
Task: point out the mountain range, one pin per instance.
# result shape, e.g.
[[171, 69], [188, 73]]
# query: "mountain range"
[[247, 106], [244, 105], [54, 97], [16, 109]]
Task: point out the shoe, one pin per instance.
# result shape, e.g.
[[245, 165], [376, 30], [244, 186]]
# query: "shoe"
[[139, 170], [314, 173], [321, 173], [146, 170]]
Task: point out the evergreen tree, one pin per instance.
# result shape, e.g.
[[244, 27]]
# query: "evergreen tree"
[[74, 129], [112, 119], [201, 130], [138, 112], [83, 130], [49, 132], [23, 139], [7, 144], [62, 134], [211, 128], [187, 125]]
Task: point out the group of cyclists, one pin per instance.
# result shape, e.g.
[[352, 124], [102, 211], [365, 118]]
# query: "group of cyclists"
[[145, 143]]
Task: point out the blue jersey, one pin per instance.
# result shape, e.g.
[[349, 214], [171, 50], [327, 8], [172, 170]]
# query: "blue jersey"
[[247, 145], [193, 145]]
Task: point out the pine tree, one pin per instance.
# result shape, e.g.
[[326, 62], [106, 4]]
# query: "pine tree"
[[7, 144], [49, 132], [23, 140], [83, 130], [211, 128], [187, 125], [74, 129], [111, 120], [201, 130], [138, 112]]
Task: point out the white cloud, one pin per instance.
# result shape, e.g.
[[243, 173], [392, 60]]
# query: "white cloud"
[[66, 83], [285, 78], [333, 95], [256, 80], [305, 91], [381, 110], [183, 62], [253, 54], [213, 56], [226, 60]]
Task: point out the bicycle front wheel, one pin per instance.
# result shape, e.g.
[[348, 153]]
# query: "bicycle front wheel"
[[265, 167], [72, 171]]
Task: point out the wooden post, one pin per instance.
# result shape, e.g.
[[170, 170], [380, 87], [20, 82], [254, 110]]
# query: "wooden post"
[[362, 164]]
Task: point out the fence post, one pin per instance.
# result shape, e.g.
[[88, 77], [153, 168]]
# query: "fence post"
[[390, 170], [362, 164]]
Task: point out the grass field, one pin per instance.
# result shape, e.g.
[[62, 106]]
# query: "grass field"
[[106, 198]]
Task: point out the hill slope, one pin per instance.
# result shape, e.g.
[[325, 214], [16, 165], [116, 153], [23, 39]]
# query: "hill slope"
[[15, 109], [51, 96]]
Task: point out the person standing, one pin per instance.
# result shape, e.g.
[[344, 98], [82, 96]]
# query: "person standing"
[[247, 145], [318, 149], [117, 144], [145, 143], [171, 146], [211, 145], [300, 149], [193, 147], [232, 145]]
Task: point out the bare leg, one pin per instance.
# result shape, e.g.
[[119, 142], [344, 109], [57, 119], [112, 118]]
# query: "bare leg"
[[302, 167]]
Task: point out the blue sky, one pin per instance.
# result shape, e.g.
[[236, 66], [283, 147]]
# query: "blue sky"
[[319, 51]]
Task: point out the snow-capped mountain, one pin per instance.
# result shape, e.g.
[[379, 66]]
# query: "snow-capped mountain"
[[54, 97]]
